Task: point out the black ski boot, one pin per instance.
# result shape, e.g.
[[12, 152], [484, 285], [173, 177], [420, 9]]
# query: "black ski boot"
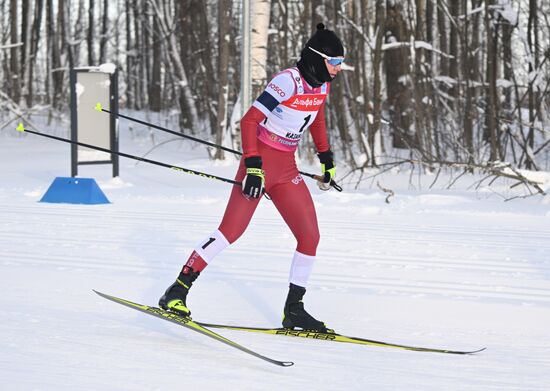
[[296, 316], [176, 294]]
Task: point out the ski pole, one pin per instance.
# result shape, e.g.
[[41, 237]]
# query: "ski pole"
[[21, 128], [98, 107]]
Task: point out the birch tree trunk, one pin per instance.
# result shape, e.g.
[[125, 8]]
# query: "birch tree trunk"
[[260, 12]]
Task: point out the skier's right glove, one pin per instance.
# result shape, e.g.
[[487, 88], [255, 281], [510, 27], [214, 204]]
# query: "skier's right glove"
[[254, 182]]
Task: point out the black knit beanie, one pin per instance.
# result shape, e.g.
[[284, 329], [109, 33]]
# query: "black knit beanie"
[[312, 65]]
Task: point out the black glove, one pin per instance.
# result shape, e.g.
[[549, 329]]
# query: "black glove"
[[328, 168], [253, 183]]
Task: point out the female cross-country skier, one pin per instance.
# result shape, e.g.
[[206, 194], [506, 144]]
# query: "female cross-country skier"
[[293, 101]]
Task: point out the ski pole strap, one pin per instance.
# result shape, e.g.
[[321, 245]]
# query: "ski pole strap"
[[335, 185], [320, 179]]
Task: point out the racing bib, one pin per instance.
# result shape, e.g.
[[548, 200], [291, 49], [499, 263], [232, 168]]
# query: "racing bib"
[[285, 124]]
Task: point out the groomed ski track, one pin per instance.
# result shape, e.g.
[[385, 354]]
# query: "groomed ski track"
[[439, 269]]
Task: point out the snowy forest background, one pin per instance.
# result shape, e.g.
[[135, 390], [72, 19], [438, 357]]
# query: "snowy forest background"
[[435, 84]]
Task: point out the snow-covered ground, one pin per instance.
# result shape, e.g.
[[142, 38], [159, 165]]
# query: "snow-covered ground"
[[443, 268]]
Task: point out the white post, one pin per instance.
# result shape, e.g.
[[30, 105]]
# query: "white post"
[[246, 82]]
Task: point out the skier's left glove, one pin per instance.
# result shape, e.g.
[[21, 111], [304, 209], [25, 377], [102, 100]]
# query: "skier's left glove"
[[254, 182], [328, 168]]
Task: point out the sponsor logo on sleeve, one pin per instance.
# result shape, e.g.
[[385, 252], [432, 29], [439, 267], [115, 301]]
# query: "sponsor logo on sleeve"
[[275, 88]]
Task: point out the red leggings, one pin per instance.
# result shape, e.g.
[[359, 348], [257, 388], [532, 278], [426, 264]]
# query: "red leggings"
[[289, 194]]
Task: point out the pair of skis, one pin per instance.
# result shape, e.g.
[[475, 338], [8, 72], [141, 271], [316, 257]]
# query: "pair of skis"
[[204, 328]]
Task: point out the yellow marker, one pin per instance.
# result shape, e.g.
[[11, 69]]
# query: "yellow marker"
[[98, 107], [20, 127]]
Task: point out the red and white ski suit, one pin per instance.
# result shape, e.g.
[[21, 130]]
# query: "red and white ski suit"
[[272, 129]]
